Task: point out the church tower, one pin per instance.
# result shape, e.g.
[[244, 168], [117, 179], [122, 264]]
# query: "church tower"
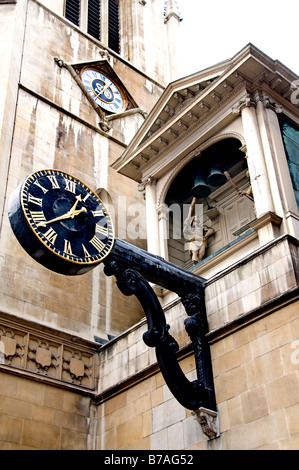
[[52, 116]]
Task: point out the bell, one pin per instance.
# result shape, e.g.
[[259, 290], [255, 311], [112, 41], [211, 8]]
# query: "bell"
[[216, 177], [200, 188]]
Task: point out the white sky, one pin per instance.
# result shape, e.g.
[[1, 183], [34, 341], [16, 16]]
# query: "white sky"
[[216, 30]]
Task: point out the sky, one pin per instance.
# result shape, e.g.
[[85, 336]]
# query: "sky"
[[216, 30]]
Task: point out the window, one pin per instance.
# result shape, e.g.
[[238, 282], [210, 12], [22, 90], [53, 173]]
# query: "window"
[[290, 136], [72, 11], [93, 18], [113, 27], [99, 18]]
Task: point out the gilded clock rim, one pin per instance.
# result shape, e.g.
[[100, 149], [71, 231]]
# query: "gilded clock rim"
[[111, 236]]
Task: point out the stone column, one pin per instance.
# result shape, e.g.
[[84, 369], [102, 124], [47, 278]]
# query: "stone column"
[[264, 206], [256, 162], [151, 217], [268, 152]]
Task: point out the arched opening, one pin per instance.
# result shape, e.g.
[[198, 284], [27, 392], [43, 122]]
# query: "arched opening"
[[219, 180]]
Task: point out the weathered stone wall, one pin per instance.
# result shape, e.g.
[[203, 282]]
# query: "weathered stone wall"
[[34, 415]]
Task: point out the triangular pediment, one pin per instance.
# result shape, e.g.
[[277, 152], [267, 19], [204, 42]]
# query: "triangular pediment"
[[188, 102]]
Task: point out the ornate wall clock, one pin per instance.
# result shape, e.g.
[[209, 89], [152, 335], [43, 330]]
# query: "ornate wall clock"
[[105, 92], [61, 222]]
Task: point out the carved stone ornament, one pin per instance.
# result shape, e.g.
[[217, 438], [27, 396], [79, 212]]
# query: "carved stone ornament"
[[208, 420], [10, 346], [77, 367], [43, 357], [34, 352]]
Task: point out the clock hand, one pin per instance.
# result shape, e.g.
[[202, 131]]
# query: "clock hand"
[[103, 89], [61, 217], [72, 210], [83, 209], [69, 215]]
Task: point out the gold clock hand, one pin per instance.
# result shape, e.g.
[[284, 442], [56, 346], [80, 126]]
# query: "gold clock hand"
[[68, 215], [77, 212], [72, 210], [61, 217], [103, 89]]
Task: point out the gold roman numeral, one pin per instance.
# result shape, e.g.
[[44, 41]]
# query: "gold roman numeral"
[[41, 187], [38, 217], [70, 186], [97, 243], [67, 247], [51, 235], [99, 213], [54, 181], [102, 230], [85, 251], [35, 200], [86, 197]]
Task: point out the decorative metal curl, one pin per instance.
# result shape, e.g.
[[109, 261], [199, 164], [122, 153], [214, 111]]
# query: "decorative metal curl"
[[191, 395]]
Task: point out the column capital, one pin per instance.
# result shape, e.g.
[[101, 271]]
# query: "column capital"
[[271, 104], [149, 181], [247, 102]]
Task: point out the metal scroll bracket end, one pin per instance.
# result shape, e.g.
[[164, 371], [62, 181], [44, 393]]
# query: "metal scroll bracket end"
[[197, 395]]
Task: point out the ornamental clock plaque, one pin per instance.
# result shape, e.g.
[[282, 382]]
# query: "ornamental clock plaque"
[[61, 222]]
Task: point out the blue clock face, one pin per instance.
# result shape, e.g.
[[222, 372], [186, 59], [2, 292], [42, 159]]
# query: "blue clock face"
[[61, 222], [103, 90]]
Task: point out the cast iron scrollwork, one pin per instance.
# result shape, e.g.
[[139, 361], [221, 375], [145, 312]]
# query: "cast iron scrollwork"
[[128, 267]]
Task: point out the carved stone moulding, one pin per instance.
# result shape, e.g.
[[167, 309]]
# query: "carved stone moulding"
[[46, 355]]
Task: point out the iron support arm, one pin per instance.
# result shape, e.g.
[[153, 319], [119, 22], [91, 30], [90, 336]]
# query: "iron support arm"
[[134, 269]]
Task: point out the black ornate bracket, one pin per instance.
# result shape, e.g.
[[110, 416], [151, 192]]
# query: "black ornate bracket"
[[134, 269]]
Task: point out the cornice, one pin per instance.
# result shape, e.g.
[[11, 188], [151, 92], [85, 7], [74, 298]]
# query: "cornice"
[[189, 102]]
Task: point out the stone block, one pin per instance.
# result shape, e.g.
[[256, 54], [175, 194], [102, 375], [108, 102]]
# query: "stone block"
[[72, 440], [264, 368], [283, 392], [254, 404], [11, 429], [166, 414], [129, 431], [231, 384], [39, 436], [292, 417]]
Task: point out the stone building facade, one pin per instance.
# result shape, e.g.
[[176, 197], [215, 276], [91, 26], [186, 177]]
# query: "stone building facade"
[[75, 372]]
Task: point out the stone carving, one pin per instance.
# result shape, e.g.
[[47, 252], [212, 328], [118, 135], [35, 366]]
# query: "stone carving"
[[197, 234], [33, 352], [208, 419]]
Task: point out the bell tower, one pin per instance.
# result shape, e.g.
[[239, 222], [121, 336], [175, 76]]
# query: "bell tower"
[[141, 31]]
